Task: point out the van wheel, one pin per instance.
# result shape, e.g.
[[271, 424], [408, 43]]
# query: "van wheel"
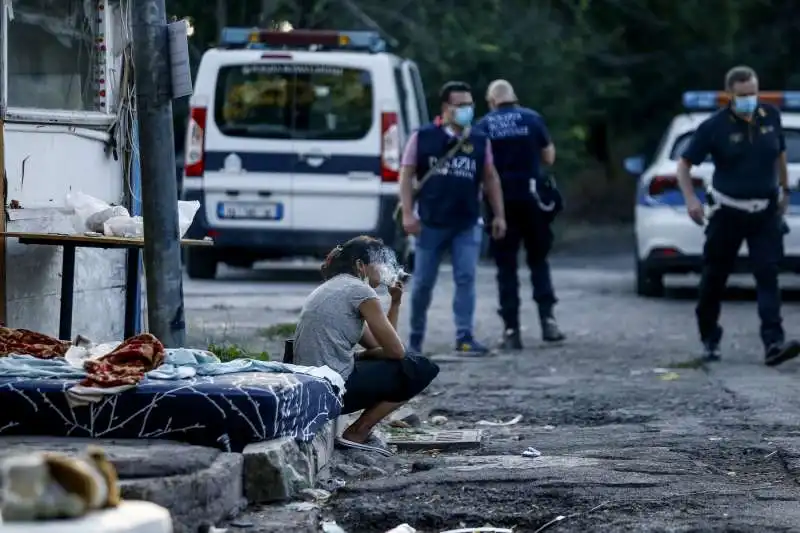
[[200, 264], [649, 284]]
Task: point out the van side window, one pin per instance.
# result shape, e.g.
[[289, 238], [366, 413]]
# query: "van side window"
[[294, 101], [419, 95], [401, 95]]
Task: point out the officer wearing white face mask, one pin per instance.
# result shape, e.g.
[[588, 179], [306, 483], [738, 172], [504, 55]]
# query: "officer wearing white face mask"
[[747, 200]]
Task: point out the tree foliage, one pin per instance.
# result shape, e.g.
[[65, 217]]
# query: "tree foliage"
[[606, 74]]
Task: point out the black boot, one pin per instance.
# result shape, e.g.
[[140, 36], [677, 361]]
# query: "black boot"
[[511, 340], [781, 352], [550, 330], [711, 352]]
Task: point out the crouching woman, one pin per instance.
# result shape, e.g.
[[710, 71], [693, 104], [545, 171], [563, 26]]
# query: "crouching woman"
[[344, 312]]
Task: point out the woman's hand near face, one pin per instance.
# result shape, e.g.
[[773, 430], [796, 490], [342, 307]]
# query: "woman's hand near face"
[[396, 292]]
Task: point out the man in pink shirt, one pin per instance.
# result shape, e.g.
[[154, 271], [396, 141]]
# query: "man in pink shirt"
[[446, 212]]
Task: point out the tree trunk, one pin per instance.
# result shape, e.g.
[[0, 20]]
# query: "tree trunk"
[[222, 15]]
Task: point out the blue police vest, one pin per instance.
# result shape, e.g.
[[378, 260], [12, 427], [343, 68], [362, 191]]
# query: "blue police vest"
[[514, 133], [450, 198]]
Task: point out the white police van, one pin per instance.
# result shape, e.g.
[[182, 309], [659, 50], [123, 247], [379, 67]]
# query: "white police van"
[[294, 143], [667, 241]]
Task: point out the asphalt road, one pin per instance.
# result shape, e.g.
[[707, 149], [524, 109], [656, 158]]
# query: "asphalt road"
[[631, 438]]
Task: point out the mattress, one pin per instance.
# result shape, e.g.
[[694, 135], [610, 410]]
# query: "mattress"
[[227, 412]]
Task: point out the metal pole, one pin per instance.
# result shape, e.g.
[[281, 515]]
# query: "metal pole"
[[162, 253]]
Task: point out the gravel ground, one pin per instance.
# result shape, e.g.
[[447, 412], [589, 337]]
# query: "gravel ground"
[[632, 436]]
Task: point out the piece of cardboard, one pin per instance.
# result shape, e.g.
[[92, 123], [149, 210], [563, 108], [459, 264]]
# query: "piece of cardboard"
[[454, 439]]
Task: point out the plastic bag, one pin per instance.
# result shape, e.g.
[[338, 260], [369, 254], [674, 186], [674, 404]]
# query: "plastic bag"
[[186, 214], [97, 221], [84, 207], [124, 226]]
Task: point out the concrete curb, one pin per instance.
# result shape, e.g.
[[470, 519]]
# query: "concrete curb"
[[208, 495], [277, 470]]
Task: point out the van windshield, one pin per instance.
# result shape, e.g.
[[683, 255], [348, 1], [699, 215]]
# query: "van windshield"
[[293, 101]]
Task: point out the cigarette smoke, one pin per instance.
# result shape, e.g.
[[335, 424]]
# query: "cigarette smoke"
[[385, 260]]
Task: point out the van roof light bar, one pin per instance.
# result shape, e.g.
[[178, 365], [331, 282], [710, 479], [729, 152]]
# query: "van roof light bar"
[[364, 41]]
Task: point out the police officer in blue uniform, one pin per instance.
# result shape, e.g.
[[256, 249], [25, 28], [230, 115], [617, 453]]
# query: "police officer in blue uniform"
[[747, 199], [521, 144], [445, 214]]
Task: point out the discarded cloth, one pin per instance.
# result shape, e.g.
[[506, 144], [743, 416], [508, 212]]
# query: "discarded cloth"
[[28, 366], [127, 364], [184, 363], [26, 342]]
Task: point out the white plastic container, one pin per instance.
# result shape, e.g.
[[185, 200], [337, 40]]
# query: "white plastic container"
[[129, 517]]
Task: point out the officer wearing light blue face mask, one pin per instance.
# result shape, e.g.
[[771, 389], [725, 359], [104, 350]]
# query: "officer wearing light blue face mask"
[[456, 165], [748, 197]]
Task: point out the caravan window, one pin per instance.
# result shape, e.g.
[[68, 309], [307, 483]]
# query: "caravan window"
[[53, 59]]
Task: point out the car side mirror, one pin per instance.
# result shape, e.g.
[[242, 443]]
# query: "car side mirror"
[[635, 165]]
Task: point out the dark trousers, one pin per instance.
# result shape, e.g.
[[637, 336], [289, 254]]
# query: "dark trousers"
[[725, 232], [387, 380], [529, 226]]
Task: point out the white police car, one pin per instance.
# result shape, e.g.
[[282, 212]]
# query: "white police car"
[[294, 143], [667, 241]]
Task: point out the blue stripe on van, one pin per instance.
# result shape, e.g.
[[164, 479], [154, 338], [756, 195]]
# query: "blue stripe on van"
[[290, 162]]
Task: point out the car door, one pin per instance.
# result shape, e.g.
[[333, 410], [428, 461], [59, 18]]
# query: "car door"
[[410, 102], [337, 168]]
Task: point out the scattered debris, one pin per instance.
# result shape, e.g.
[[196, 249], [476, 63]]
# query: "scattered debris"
[[209, 528], [402, 528], [438, 420], [301, 506], [552, 522], [530, 451], [402, 424], [315, 495], [440, 440], [241, 523], [548, 427], [714, 439], [669, 376], [770, 454], [661, 371], [330, 526], [405, 415], [511, 422], [348, 469], [486, 529], [332, 484], [14, 204]]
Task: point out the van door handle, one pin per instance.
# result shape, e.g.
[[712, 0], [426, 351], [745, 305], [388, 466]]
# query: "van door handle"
[[232, 193], [314, 159], [360, 175]]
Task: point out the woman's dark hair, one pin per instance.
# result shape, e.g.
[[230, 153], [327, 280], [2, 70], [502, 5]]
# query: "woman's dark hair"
[[343, 258]]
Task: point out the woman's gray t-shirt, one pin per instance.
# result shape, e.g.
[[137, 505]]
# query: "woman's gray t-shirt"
[[331, 325]]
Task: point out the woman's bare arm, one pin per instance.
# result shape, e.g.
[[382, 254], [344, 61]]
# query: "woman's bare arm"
[[381, 329], [368, 339]]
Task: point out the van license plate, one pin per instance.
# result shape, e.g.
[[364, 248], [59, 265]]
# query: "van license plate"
[[252, 211]]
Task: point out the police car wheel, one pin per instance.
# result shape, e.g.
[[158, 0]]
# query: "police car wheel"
[[200, 264], [648, 283]]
